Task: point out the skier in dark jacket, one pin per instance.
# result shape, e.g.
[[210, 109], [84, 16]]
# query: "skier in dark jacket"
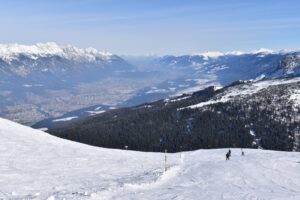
[[227, 156]]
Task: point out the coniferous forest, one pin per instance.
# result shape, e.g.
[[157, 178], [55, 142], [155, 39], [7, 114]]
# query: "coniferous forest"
[[265, 119]]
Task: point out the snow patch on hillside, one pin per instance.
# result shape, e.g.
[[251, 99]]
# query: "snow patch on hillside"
[[295, 98], [244, 90], [95, 112], [65, 119]]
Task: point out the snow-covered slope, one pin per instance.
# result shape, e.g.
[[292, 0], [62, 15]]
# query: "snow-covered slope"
[[35, 165], [252, 87]]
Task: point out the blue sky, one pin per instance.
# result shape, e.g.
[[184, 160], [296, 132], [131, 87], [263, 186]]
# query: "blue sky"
[[138, 27]]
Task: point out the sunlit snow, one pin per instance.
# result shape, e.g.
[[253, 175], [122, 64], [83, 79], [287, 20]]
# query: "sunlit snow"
[[35, 165]]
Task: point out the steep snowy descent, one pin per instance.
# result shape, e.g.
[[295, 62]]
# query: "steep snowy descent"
[[35, 165]]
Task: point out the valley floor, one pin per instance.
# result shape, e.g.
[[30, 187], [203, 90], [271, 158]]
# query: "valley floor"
[[35, 165]]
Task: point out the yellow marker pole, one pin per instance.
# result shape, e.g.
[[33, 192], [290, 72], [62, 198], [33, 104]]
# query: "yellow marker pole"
[[166, 160]]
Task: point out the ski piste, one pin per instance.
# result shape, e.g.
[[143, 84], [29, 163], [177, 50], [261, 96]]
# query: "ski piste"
[[35, 165]]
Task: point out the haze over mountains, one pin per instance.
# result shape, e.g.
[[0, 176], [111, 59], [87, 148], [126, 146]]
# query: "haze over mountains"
[[47, 80]]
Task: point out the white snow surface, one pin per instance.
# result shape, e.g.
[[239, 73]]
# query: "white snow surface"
[[65, 119], [95, 112], [8, 52], [261, 53], [35, 165], [216, 54], [295, 98]]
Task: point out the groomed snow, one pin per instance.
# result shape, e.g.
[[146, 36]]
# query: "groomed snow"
[[35, 165]]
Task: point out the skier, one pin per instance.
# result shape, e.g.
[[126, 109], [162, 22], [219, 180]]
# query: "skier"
[[227, 156], [229, 152]]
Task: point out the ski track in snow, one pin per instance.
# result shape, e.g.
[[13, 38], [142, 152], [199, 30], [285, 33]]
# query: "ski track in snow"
[[133, 187], [35, 165]]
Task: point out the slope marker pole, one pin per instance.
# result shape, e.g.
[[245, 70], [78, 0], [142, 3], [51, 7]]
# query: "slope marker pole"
[[166, 160], [180, 152]]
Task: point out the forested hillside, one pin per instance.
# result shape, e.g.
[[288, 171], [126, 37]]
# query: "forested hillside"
[[247, 114]]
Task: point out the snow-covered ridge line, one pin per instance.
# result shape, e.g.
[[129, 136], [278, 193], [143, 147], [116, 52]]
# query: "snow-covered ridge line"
[[8, 52], [244, 90], [264, 51], [216, 54]]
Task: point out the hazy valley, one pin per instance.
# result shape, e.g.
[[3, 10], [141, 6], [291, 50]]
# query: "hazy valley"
[[47, 80]]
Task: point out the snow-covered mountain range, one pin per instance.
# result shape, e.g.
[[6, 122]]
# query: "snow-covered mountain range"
[[52, 59], [35, 165], [11, 52], [216, 68], [49, 80], [46, 80]]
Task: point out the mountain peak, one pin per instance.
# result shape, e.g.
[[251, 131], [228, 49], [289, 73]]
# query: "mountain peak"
[[9, 52], [263, 51], [210, 54], [215, 54]]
